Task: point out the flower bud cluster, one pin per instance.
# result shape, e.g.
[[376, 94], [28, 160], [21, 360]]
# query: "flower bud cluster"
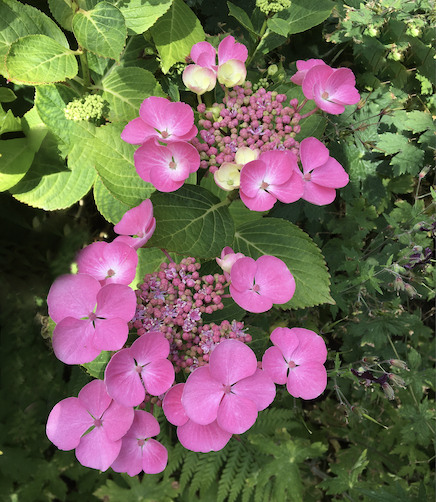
[[90, 108], [258, 120], [172, 301], [267, 6]]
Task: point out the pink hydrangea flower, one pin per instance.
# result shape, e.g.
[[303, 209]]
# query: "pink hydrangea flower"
[[193, 436], [228, 258], [144, 364], [274, 175], [198, 79], [90, 318], [71, 418], [137, 222], [303, 67], [109, 263], [166, 167], [231, 69], [322, 174], [231, 390], [257, 285], [297, 360], [330, 88], [161, 119], [139, 452]]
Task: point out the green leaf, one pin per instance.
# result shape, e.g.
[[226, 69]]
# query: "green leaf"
[[242, 17], [279, 26], [192, 221], [9, 123], [125, 89], [63, 12], [312, 126], [37, 59], [18, 20], [101, 30], [111, 208], [230, 312], [7, 95], [346, 479], [175, 33], [241, 214], [305, 14], [419, 122], [140, 15], [113, 159], [280, 238], [96, 367], [15, 160], [34, 129]]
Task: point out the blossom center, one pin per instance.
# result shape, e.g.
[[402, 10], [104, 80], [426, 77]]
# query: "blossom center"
[[325, 95], [138, 369], [227, 389], [98, 422], [92, 316], [292, 365], [307, 177], [141, 442], [164, 134], [110, 273], [256, 288], [172, 165], [264, 185]]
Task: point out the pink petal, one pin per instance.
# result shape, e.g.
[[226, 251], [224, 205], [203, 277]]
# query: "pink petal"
[[311, 347], [236, 414], [326, 104], [243, 273], [313, 154], [263, 201], [117, 420], [158, 376], [154, 457], [286, 340], [179, 119], [340, 77], [141, 161], [229, 49], [307, 381], [202, 396], [172, 405], [72, 341], [303, 67], [72, 296], [203, 438], [258, 387], [150, 347], [207, 53], [96, 450], [110, 334], [137, 132], [129, 459], [232, 361], [252, 176], [316, 75], [67, 422], [137, 220], [188, 136], [345, 95], [94, 398], [275, 365], [123, 381], [116, 300], [153, 112], [279, 166], [251, 301], [330, 175], [290, 191], [317, 194], [274, 279], [144, 426]]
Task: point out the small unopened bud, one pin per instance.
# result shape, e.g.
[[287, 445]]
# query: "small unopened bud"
[[424, 172], [397, 380], [358, 411], [410, 290], [389, 391], [398, 284], [398, 268], [273, 69], [397, 363], [370, 359]]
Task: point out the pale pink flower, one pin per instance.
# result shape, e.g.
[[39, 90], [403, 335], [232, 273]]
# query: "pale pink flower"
[[231, 73], [322, 174], [257, 285], [228, 258], [90, 318], [199, 79], [228, 176], [231, 390], [166, 166], [161, 119], [71, 418], [297, 360], [142, 367], [139, 452], [303, 67], [330, 88], [274, 175], [245, 154], [193, 436], [137, 222], [109, 263]]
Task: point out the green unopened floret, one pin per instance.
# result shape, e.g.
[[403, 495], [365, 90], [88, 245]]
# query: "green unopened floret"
[[267, 6], [89, 108]]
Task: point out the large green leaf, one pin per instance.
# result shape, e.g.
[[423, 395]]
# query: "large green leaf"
[[280, 238], [304, 14], [113, 159], [125, 89], [175, 33], [111, 208], [15, 160], [63, 12], [18, 20], [102, 30], [242, 17], [140, 15], [38, 59], [192, 221]]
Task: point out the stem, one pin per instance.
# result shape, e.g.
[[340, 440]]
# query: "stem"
[[308, 114], [299, 108], [85, 69], [165, 252], [259, 40], [233, 195], [199, 99]]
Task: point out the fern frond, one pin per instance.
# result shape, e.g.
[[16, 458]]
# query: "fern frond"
[[207, 471], [175, 457], [245, 467], [274, 418], [190, 465], [235, 450]]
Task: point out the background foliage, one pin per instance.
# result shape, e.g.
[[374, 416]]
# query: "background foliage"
[[59, 176]]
